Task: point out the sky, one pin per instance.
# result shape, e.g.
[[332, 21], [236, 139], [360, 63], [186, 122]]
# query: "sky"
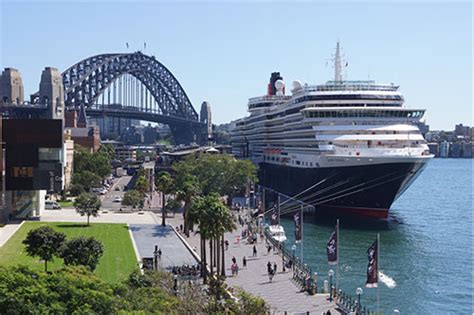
[[224, 52]]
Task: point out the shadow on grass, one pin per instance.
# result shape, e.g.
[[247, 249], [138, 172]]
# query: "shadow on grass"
[[84, 225]]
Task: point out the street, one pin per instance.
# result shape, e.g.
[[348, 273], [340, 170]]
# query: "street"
[[108, 202]]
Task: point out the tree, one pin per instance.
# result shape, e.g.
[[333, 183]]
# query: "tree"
[[71, 290], [85, 251], [133, 198], [87, 204], [76, 189], [86, 179], [44, 242], [142, 185], [165, 184], [187, 188]]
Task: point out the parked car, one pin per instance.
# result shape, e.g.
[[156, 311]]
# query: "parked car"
[[117, 188], [118, 199], [51, 205]]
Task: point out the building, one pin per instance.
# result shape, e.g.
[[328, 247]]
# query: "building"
[[467, 151], [455, 150], [68, 159], [82, 134], [126, 153], [462, 131], [32, 149], [444, 149]]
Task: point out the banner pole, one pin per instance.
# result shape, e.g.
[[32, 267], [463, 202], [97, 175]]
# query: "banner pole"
[[338, 256], [378, 268], [279, 223], [302, 238]]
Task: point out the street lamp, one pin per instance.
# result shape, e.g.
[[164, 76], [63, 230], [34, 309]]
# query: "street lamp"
[[330, 274], [293, 248], [359, 293]]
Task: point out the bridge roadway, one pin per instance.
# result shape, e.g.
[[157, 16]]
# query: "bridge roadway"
[[282, 294]]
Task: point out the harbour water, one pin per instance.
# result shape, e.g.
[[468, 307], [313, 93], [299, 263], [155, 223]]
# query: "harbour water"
[[425, 245]]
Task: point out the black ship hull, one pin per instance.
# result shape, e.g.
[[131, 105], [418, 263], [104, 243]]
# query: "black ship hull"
[[367, 190]]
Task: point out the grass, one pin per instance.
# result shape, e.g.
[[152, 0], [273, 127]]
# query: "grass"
[[68, 203], [116, 264]]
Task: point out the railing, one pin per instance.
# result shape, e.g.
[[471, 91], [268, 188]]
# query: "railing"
[[303, 278]]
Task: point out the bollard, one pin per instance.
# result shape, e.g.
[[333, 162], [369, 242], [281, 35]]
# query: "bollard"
[[325, 286]]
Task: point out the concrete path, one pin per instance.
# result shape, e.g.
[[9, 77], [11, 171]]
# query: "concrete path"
[[174, 252], [7, 231], [70, 215], [282, 294]]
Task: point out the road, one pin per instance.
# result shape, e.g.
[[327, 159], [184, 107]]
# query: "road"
[[108, 199]]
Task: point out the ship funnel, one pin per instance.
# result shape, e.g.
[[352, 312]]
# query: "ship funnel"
[[272, 90]]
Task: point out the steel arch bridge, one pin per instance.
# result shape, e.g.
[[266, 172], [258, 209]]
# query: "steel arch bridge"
[[131, 85]]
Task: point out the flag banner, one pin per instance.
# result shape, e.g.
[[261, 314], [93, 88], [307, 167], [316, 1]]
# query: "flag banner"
[[274, 217], [297, 219], [373, 266], [331, 248]]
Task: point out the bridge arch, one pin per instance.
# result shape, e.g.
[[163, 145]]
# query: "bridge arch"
[[85, 81]]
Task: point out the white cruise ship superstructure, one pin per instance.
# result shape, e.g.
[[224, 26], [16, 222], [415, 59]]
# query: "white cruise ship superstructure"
[[343, 146]]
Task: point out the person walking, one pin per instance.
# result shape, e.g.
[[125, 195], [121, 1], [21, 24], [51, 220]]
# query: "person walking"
[[275, 267], [244, 262], [234, 261], [254, 251], [269, 267], [226, 244], [270, 275], [269, 248]]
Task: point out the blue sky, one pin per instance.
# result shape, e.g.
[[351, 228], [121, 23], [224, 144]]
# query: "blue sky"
[[224, 52]]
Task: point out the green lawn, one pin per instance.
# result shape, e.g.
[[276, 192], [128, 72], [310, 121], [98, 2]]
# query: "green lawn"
[[64, 204], [116, 264]]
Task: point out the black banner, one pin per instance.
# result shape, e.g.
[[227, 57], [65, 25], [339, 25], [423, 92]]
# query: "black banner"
[[297, 219], [331, 248], [373, 266]]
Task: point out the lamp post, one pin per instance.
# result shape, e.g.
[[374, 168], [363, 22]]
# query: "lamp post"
[[293, 248], [359, 293], [330, 274], [175, 284]]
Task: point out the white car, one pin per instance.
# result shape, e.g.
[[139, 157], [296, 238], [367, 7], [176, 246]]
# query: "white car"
[[118, 199]]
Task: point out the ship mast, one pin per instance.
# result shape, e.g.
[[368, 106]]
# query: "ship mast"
[[337, 65]]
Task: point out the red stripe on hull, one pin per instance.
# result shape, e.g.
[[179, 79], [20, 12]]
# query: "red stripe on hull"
[[360, 212]]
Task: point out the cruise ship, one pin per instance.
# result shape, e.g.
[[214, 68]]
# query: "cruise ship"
[[346, 147]]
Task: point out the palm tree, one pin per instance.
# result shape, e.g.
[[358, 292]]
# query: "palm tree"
[[165, 183], [198, 212], [187, 187]]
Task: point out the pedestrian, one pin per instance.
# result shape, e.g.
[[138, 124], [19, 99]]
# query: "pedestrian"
[[181, 228], [269, 267], [159, 253], [254, 251], [234, 261], [275, 267], [226, 244], [236, 269], [244, 262], [238, 239], [270, 275], [269, 248]]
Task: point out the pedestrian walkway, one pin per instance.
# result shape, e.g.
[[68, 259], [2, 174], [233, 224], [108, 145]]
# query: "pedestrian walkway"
[[174, 252], [7, 231], [282, 294]]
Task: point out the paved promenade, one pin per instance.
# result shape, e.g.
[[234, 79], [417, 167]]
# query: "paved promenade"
[[174, 252], [282, 294]]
